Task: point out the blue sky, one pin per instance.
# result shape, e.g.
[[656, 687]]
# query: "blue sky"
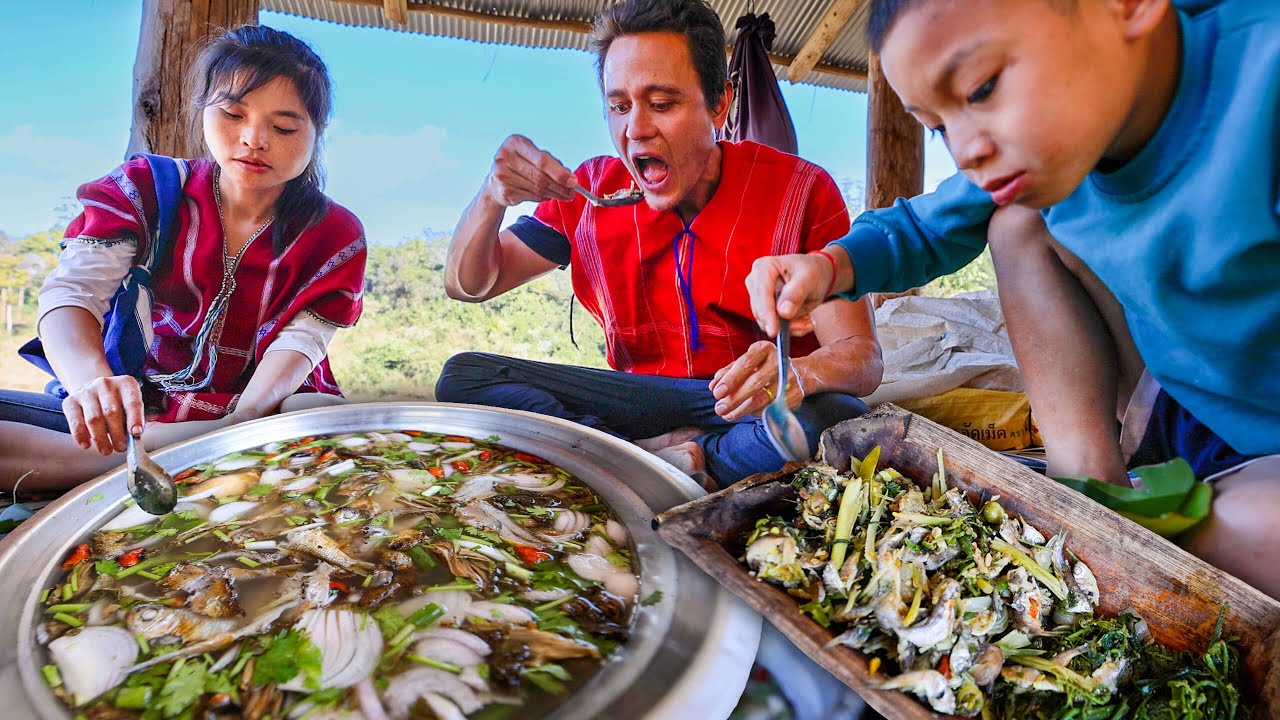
[[416, 119]]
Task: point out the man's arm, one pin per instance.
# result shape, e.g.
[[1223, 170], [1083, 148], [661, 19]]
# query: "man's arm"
[[483, 261], [848, 361]]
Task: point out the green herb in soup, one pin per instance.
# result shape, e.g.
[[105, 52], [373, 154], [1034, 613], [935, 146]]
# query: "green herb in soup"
[[384, 574]]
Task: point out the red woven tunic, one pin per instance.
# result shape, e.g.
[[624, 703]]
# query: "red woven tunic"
[[672, 299], [214, 318]]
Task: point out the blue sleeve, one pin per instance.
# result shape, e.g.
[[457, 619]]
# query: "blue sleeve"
[[914, 241], [542, 239]]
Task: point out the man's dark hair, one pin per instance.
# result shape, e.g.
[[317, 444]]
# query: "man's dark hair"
[[694, 19]]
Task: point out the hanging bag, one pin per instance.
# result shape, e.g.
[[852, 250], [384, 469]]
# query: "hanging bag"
[[126, 327]]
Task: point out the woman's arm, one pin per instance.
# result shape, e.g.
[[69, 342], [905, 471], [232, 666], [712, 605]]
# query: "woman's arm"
[[278, 376]]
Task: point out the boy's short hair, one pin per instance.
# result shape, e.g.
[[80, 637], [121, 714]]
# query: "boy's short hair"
[[884, 13], [694, 19]]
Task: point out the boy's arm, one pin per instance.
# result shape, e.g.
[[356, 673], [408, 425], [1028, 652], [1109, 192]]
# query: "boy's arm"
[[886, 250], [914, 241]]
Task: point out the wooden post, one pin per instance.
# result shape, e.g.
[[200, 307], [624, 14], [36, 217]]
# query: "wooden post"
[[171, 36], [895, 151], [895, 143]]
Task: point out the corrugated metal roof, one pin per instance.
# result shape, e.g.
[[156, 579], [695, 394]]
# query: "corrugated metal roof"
[[795, 21]]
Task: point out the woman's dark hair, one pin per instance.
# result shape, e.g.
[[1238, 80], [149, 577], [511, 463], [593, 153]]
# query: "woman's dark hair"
[[244, 59], [694, 19]]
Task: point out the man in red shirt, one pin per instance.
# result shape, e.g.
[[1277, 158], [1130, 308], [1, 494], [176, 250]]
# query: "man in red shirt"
[[664, 278]]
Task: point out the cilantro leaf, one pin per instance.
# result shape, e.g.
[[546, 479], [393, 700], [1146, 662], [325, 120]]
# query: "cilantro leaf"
[[653, 599], [290, 653], [183, 686]]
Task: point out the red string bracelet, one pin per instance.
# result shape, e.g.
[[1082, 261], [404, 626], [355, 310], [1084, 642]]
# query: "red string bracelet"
[[834, 271]]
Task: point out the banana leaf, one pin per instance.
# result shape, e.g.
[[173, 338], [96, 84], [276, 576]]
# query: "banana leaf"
[[1170, 501]]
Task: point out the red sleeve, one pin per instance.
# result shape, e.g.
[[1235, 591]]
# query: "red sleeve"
[[563, 216], [337, 297], [118, 207], [826, 218]]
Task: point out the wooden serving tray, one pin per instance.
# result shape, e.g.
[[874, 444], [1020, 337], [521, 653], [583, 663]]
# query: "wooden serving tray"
[[1178, 594]]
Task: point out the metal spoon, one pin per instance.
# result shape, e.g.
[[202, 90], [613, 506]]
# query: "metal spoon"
[[632, 196], [149, 484], [784, 429]]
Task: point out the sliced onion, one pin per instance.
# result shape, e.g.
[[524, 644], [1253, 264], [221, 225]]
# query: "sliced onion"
[[456, 458], [400, 437], [502, 612], [350, 648], [617, 532], [457, 445], [272, 476], [231, 510], [272, 448], [344, 466], [376, 436], [302, 483], [355, 441], [134, 516], [94, 660], [370, 705], [237, 464], [423, 447]]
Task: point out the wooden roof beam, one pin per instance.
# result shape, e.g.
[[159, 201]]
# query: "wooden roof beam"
[[396, 11], [810, 55]]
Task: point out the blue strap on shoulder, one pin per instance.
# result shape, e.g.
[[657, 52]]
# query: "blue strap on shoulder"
[[124, 336]]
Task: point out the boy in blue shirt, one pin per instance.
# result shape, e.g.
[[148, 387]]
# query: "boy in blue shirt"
[[1122, 158]]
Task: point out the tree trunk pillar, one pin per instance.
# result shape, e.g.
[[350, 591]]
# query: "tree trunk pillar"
[[173, 31], [895, 143]]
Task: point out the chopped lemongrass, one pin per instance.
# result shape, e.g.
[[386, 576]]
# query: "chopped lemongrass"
[[437, 664], [260, 545], [143, 645], [71, 620], [149, 575], [1041, 573], [75, 584], [51, 675], [454, 586], [247, 562], [68, 607], [222, 536], [367, 579], [44, 596], [67, 592]]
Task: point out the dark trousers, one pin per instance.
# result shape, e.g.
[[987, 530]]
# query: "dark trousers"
[[39, 409], [632, 407]]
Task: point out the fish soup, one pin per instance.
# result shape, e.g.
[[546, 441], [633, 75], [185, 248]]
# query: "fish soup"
[[390, 574]]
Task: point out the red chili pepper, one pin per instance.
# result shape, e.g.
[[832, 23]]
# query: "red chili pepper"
[[81, 553], [531, 555], [131, 558], [339, 586], [327, 456], [436, 470], [1033, 608], [486, 454], [461, 466], [458, 438], [305, 440], [526, 457], [414, 433], [187, 476], [944, 666]]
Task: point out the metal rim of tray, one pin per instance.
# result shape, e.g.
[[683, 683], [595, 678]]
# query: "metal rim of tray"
[[691, 663]]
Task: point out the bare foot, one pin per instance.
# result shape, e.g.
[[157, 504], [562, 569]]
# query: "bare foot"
[[687, 457], [668, 439]]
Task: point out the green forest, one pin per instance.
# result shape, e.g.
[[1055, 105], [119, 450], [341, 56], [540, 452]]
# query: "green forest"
[[409, 328]]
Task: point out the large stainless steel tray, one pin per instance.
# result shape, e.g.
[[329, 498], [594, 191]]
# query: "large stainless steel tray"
[[689, 654]]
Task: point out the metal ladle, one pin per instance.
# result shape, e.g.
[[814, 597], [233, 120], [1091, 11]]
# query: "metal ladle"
[[784, 429], [149, 484]]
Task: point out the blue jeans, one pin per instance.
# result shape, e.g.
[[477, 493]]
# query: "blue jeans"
[[631, 407], [39, 409]]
